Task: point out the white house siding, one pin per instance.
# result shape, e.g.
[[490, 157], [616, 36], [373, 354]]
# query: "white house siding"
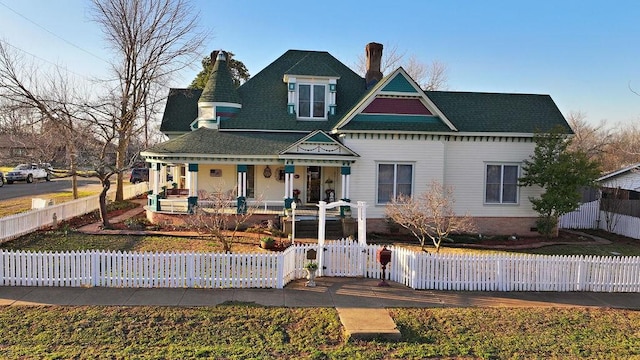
[[426, 156], [628, 181], [226, 182], [465, 171]]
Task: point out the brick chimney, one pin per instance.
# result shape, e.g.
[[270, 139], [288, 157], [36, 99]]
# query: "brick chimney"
[[373, 52]]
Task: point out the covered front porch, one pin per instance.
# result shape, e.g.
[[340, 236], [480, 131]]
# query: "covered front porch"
[[270, 188]]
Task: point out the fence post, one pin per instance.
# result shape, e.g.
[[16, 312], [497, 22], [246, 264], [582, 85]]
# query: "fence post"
[[280, 271], [95, 263], [2, 252]]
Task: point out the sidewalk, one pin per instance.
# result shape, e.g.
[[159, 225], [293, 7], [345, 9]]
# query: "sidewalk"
[[330, 292]]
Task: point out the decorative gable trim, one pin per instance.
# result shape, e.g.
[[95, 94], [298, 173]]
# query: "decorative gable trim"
[[317, 143], [400, 93]]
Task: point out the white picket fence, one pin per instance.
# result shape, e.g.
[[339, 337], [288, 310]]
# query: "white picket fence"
[[14, 226], [589, 216], [418, 270]]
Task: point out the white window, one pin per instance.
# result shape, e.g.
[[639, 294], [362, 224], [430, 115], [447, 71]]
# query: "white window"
[[394, 180], [311, 101], [501, 184]]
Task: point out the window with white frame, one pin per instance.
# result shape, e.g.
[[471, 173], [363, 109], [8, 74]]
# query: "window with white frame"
[[312, 101], [501, 184], [394, 180]]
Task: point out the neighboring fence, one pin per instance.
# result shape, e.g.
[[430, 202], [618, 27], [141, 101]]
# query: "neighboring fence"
[[589, 216], [20, 224], [419, 270], [585, 217]]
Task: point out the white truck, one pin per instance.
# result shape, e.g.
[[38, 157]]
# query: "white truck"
[[28, 173]]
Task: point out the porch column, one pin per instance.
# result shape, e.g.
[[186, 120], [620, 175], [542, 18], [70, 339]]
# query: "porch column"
[[163, 175], [155, 169], [242, 189], [289, 171], [154, 199], [345, 172], [192, 183]]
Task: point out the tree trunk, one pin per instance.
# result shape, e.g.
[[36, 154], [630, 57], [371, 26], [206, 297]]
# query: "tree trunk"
[[106, 185], [120, 164]]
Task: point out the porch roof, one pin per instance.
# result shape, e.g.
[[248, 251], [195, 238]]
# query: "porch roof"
[[214, 142], [211, 143]]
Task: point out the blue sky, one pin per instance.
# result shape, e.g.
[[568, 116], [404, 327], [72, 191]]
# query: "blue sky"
[[585, 54]]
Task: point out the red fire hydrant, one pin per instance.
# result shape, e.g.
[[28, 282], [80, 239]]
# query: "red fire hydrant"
[[384, 257]]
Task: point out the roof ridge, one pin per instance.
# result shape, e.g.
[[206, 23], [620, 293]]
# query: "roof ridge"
[[481, 92]]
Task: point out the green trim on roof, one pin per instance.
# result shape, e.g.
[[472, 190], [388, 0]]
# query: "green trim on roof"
[[320, 137], [400, 84]]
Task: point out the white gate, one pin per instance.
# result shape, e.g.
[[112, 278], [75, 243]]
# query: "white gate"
[[344, 258], [352, 258]]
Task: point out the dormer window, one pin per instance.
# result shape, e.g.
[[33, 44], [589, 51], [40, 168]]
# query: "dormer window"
[[311, 101], [311, 98]]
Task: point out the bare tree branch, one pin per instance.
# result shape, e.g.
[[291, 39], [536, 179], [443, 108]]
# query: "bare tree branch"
[[152, 40]]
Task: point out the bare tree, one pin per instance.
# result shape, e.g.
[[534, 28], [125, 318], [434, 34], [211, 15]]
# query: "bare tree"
[[430, 76], [430, 215], [611, 203], [152, 40], [51, 94], [217, 219], [592, 140]]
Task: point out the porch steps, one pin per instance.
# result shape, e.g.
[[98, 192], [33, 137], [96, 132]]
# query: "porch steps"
[[309, 229]]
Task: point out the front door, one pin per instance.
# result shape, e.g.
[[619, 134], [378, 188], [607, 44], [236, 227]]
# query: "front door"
[[314, 184]]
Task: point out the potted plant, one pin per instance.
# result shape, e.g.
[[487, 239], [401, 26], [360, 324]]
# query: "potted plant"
[[267, 242], [311, 268]]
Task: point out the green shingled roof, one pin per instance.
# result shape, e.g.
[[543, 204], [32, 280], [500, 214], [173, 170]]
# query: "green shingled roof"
[[181, 110], [264, 104], [264, 96], [220, 87], [312, 65], [214, 142], [499, 112]]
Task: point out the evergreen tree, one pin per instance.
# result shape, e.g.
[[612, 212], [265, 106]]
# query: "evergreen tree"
[[239, 72], [561, 173]]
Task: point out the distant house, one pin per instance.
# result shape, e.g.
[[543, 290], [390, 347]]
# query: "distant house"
[[307, 128], [16, 149], [625, 183]]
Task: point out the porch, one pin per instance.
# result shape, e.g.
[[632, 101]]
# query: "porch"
[[265, 188]]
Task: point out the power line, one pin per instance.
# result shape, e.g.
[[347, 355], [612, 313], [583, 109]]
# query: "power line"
[[52, 33], [45, 60]]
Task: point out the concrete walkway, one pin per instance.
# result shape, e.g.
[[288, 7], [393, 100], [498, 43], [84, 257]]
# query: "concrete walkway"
[[360, 303]]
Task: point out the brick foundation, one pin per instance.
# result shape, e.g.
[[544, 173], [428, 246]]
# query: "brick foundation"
[[520, 226], [485, 226], [176, 219]]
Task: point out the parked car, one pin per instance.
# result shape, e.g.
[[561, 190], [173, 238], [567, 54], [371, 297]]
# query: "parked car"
[[1, 179], [29, 172], [139, 175]]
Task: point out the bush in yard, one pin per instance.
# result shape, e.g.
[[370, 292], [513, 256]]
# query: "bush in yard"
[[430, 215], [561, 173]]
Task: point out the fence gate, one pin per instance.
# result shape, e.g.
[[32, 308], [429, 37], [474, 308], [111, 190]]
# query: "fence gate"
[[344, 258], [353, 263]]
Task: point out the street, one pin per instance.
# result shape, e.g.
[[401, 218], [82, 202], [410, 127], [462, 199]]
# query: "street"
[[20, 189]]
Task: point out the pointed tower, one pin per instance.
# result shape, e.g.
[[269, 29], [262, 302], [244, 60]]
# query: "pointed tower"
[[219, 100]]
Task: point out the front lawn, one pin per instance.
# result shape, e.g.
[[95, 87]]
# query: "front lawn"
[[242, 331]]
